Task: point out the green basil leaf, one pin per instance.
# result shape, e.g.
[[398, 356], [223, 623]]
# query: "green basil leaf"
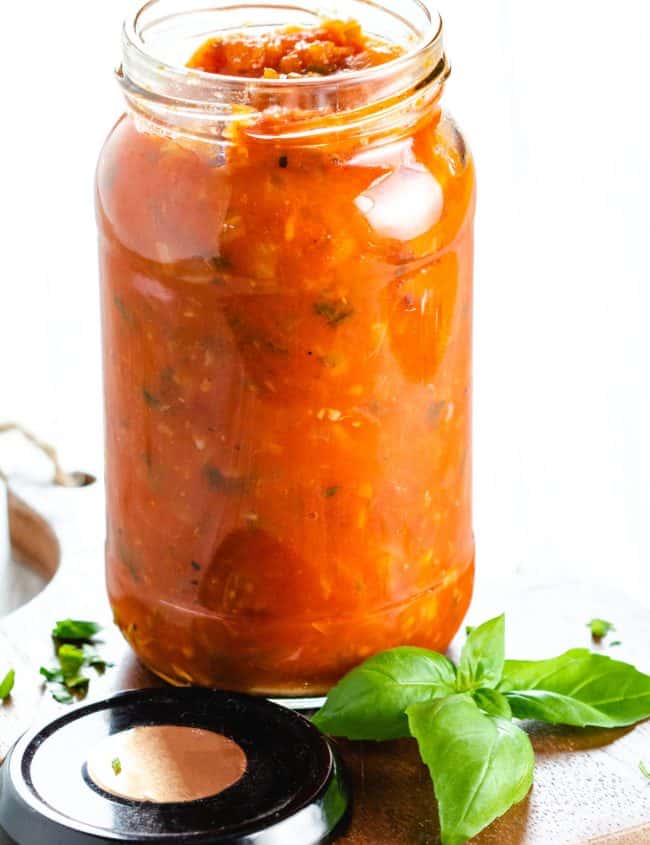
[[93, 658], [79, 684], [370, 702], [7, 684], [480, 765], [493, 703], [578, 688], [71, 659], [600, 628], [52, 676], [75, 630], [482, 657], [62, 695]]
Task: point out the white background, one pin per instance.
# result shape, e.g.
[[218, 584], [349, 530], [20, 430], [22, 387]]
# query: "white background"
[[554, 100]]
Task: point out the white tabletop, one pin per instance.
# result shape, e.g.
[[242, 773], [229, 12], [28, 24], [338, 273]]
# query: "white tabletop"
[[553, 99]]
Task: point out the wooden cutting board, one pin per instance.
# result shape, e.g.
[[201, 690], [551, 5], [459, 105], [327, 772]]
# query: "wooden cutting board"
[[588, 787]]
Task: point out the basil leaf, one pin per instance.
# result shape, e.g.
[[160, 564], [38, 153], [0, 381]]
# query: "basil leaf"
[[71, 659], [94, 659], [482, 657], [480, 765], [62, 695], [52, 676], [75, 630], [578, 688], [370, 702], [79, 684], [600, 628], [493, 703], [7, 684]]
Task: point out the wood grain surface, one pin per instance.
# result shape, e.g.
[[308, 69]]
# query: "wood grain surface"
[[588, 787]]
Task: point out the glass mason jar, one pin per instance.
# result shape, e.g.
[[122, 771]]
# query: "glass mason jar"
[[286, 271]]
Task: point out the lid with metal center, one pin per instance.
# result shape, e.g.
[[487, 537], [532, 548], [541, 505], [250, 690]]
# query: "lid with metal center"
[[173, 765]]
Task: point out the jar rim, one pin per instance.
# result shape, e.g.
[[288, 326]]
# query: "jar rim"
[[149, 74]]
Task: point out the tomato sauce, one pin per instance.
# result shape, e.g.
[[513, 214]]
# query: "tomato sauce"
[[287, 335], [333, 47]]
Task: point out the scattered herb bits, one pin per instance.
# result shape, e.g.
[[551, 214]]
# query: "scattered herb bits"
[[480, 761], [116, 766], [7, 685], [75, 651]]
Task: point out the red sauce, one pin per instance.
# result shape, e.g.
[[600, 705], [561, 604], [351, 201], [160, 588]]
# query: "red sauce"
[[288, 371], [333, 47]]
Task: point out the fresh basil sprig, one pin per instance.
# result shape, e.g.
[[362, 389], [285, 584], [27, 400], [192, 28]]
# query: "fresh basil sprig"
[[480, 762]]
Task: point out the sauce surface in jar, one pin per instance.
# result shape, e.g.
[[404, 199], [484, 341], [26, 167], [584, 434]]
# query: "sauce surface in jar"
[[287, 333], [293, 52]]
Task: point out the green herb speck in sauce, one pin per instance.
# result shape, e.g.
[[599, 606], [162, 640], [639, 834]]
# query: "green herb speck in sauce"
[[117, 766], [220, 262], [224, 483], [335, 311], [127, 316], [151, 400]]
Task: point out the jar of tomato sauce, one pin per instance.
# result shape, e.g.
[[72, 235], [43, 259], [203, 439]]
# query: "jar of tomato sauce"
[[285, 218]]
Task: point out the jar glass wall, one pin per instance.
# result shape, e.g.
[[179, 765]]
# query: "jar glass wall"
[[286, 272]]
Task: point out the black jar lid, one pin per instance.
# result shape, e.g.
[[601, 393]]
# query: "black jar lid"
[[291, 793]]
